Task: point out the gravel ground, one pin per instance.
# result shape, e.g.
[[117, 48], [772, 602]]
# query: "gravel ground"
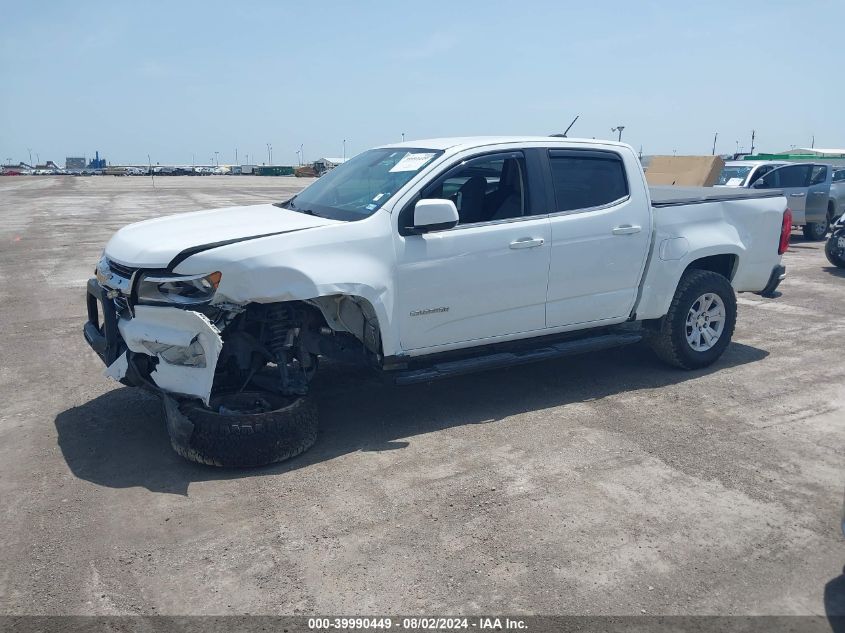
[[602, 484]]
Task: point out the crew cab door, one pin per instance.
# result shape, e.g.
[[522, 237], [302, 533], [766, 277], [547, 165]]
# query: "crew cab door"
[[485, 277], [795, 182], [600, 237], [818, 194]]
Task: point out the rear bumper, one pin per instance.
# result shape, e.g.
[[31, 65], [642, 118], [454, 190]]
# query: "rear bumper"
[[777, 276]]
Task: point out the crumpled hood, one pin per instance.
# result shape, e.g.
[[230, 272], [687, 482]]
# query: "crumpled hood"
[[155, 243]]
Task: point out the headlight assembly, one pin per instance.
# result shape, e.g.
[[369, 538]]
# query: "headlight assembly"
[[155, 288]]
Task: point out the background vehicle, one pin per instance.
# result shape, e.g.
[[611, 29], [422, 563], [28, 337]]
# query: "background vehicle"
[[807, 190], [834, 249], [421, 260], [744, 173], [836, 205]]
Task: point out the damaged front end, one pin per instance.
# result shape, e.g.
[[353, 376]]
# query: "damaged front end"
[[173, 349], [150, 331]]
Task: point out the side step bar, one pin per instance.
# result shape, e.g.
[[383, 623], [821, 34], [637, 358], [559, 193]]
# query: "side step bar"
[[507, 359]]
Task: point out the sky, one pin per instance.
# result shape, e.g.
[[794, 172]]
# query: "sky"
[[177, 81]]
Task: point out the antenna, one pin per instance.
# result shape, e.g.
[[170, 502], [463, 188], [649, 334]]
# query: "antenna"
[[566, 131]]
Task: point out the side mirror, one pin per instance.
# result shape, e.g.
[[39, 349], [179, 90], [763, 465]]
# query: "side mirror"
[[434, 215], [760, 184]]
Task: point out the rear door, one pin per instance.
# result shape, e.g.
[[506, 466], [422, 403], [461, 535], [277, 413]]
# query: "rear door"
[[818, 194], [600, 237], [795, 181]]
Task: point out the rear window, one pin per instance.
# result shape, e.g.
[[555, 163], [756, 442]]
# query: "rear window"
[[587, 178], [734, 175]]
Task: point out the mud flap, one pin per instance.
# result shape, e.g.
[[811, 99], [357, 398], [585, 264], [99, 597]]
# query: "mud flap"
[[186, 344]]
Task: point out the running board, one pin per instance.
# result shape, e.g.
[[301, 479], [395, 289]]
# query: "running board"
[[508, 359]]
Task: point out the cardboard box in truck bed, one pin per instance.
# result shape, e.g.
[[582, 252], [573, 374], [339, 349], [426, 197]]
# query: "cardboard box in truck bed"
[[689, 171]]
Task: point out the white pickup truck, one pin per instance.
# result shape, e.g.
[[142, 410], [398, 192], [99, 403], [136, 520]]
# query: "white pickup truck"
[[421, 260]]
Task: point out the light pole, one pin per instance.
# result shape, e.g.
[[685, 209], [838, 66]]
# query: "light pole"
[[269, 154], [715, 136], [403, 137], [298, 157], [216, 159], [619, 129], [236, 156], [344, 149]]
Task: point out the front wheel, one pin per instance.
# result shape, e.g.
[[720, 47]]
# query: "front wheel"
[[699, 324], [833, 251], [241, 429], [816, 231]]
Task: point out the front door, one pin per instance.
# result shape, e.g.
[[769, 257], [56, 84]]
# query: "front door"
[[600, 238], [487, 276], [794, 180]]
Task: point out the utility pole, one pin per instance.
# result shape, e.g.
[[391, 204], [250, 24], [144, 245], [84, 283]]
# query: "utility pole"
[[715, 136], [236, 156], [619, 129], [813, 142], [30, 155], [753, 133], [641, 152]]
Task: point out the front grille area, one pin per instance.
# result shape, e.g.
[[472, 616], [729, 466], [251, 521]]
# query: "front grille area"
[[121, 270]]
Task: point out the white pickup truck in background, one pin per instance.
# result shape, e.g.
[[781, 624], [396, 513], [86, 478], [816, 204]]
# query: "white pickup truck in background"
[[421, 260]]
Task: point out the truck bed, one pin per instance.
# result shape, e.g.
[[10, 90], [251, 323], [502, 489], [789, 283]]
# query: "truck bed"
[[667, 196]]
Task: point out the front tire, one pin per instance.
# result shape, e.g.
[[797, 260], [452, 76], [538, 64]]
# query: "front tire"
[[816, 231], [834, 254], [700, 322], [246, 429]]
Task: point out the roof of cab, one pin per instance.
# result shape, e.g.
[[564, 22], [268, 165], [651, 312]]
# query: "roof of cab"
[[458, 143]]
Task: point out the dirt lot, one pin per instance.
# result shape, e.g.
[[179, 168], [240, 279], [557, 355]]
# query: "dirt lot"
[[604, 484]]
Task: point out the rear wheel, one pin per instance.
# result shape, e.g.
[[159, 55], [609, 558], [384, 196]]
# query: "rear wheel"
[[700, 321], [243, 429]]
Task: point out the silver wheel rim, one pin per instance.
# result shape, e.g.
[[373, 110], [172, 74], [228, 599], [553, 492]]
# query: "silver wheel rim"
[[705, 322]]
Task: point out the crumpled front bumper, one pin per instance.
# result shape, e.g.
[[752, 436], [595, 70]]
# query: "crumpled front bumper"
[[185, 344]]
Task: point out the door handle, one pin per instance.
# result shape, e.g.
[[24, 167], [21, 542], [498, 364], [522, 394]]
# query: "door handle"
[[796, 195], [626, 229], [527, 242], [819, 193]]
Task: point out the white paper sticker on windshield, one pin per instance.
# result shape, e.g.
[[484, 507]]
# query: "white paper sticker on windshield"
[[734, 182], [412, 162]]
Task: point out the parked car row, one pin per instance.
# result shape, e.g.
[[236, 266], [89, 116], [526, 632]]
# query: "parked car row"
[[815, 192]]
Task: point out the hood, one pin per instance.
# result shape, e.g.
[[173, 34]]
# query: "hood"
[[156, 243]]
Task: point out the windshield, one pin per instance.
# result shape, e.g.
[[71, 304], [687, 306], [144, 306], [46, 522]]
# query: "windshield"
[[734, 175], [360, 186]]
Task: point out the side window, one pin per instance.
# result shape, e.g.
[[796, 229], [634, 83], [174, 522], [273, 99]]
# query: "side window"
[[486, 188], [587, 178], [839, 176], [792, 176], [819, 174]]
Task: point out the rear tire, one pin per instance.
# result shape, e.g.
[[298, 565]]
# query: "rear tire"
[[834, 254], [691, 334], [816, 231], [277, 429]]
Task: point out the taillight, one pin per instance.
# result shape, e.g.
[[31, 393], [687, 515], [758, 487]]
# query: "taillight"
[[785, 231]]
